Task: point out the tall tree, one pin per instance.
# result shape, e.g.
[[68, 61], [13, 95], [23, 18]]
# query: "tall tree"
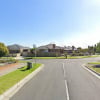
[[3, 50], [91, 50], [98, 48], [73, 47], [79, 49]]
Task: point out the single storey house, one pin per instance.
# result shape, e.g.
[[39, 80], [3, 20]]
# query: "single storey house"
[[18, 50]]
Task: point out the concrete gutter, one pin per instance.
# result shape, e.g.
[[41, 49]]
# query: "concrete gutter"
[[91, 71], [9, 93]]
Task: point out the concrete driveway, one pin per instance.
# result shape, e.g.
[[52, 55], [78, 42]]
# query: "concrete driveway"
[[61, 79]]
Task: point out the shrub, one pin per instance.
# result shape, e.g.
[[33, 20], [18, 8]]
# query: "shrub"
[[8, 61]]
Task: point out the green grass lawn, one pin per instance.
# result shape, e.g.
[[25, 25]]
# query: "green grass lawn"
[[6, 57], [69, 57], [10, 79], [94, 63], [91, 66], [94, 69]]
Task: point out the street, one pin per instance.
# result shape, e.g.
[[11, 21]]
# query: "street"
[[61, 79]]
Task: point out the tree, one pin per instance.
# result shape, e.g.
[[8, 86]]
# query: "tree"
[[73, 47], [98, 48], [79, 49], [91, 50], [3, 50], [65, 54]]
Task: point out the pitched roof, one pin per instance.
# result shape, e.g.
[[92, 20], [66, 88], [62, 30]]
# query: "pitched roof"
[[69, 48], [42, 47], [49, 46], [16, 47]]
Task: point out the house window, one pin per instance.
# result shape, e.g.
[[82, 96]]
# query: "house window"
[[45, 50], [25, 50]]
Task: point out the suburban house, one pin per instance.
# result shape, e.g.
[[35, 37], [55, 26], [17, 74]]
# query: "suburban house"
[[69, 49], [52, 48], [18, 50]]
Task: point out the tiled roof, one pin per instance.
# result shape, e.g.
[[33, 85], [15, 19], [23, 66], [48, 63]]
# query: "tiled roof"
[[16, 47], [49, 46], [69, 48]]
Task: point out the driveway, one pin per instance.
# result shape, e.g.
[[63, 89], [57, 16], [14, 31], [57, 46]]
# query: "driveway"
[[61, 79]]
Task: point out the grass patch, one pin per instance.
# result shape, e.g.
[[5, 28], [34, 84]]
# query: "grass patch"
[[44, 57], [94, 63], [6, 57], [69, 57], [94, 69], [8, 80]]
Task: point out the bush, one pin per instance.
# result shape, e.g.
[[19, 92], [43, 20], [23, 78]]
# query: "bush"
[[74, 54], [80, 54], [47, 54], [8, 61], [77, 54]]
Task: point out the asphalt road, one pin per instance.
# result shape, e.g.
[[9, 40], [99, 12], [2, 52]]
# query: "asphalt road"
[[61, 79]]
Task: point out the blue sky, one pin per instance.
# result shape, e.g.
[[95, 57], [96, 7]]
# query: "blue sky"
[[64, 22]]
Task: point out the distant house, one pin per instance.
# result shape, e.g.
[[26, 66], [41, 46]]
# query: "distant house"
[[69, 49], [18, 50], [50, 48]]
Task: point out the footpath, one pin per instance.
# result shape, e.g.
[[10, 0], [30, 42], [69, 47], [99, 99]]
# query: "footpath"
[[10, 67]]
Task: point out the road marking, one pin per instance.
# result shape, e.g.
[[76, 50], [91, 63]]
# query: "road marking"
[[66, 86], [90, 71], [64, 70]]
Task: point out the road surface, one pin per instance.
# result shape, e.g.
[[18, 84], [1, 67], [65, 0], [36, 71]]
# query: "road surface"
[[61, 79]]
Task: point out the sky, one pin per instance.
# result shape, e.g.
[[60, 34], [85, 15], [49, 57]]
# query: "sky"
[[40, 22]]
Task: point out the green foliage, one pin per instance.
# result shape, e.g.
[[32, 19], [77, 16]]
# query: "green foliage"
[[98, 48], [66, 55], [3, 50], [8, 61], [91, 50]]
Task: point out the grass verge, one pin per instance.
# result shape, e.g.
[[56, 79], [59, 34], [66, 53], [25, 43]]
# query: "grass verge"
[[8, 80], [95, 66], [95, 69], [94, 63], [69, 57]]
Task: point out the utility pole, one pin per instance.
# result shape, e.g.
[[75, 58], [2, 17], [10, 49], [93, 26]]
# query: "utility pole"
[[34, 47]]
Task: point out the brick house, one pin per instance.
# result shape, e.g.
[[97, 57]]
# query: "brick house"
[[51, 48]]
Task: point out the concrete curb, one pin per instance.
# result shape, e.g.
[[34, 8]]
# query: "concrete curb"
[[9, 93], [91, 71]]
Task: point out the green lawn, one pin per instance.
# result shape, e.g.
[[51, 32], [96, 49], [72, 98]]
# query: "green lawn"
[[94, 63], [6, 57], [94, 69], [69, 57], [8, 80], [44, 57], [91, 65]]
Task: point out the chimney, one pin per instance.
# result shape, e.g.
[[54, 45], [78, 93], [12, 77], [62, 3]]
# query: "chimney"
[[53, 46]]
